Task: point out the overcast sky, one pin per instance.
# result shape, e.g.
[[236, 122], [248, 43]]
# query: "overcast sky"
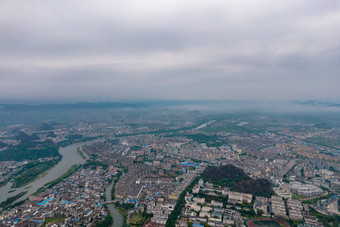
[[185, 50]]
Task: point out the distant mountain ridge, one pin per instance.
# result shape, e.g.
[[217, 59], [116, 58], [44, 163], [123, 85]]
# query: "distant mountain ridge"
[[78, 105], [160, 103], [317, 103]]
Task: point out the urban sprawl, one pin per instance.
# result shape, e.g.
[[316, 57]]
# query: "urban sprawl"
[[162, 172]]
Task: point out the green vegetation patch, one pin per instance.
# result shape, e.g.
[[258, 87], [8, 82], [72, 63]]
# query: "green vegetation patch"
[[232, 128], [92, 163], [118, 175], [75, 139], [123, 209], [58, 219], [328, 142], [29, 149], [6, 204], [138, 219], [171, 222], [234, 178], [31, 172]]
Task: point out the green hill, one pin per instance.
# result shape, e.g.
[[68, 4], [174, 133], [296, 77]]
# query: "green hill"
[[234, 178]]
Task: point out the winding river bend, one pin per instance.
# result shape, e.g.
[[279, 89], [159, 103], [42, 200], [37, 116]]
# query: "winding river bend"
[[70, 157]]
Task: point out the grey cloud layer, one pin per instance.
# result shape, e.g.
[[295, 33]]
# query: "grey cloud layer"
[[170, 49]]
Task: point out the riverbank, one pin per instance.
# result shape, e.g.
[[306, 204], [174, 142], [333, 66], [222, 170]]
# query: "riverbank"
[[81, 153], [118, 220], [6, 204], [32, 172], [123, 210], [74, 140], [69, 172], [79, 197], [70, 157]]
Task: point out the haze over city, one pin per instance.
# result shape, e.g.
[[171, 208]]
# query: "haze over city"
[[169, 50]]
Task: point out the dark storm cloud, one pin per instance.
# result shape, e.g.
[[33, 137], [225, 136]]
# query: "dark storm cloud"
[[170, 49]]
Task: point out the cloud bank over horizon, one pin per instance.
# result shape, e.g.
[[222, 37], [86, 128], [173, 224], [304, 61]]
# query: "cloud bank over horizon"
[[173, 50]]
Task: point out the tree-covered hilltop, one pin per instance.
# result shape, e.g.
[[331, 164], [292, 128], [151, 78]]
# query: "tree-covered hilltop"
[[234, 178], [29, 149]]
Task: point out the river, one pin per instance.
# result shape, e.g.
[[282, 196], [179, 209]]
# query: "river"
[[70, 157], [205, 124], [118, 219]]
